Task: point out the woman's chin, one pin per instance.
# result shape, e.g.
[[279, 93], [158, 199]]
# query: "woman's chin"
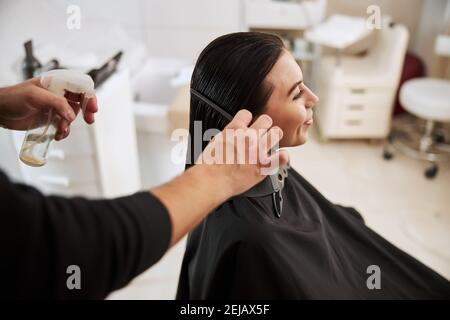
[[295, 141], [304, 134], [300, 137], [302, 140]]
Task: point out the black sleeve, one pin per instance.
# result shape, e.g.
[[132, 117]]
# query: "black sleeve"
[[111, 241]]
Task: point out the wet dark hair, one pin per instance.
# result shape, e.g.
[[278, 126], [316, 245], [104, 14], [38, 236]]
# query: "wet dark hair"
[[230, 71]]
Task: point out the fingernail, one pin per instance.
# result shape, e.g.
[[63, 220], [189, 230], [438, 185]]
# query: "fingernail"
[[278, 129], [70, 116], [246, 111], [268, 118]]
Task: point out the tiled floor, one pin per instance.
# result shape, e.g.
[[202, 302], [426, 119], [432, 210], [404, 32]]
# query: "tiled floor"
[[393, 196]]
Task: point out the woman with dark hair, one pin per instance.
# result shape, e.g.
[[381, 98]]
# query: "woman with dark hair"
[[290, 242]]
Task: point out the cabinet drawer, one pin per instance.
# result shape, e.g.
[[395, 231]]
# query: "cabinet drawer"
[[370, 97], [363, 125], [362, 110], [364, 107]]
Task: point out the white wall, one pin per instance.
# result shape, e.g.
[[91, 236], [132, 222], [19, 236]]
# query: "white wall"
[[175, 28], [183, 28], [432, 23]]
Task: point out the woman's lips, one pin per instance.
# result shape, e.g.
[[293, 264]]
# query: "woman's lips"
[[308, 122]]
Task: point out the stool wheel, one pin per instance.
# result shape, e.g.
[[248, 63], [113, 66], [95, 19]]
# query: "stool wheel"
[[431, 171], [387, 155], [439, 138]]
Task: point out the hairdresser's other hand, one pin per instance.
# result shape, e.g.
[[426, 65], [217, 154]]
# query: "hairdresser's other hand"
[[22, 103], [243, 171]]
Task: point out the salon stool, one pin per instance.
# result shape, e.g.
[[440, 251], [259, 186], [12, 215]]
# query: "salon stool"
[[428, 100]]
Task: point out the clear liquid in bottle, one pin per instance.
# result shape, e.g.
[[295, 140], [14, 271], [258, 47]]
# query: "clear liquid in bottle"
[[37, 142]]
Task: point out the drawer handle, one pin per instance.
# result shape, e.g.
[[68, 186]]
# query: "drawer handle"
[[356, 107], [353, 122], [358, 90], [55, 180]]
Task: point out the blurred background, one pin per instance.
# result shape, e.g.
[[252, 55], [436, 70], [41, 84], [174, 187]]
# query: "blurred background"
[[380, 140]]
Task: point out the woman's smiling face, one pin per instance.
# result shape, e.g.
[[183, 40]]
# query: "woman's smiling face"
[[291, 102]]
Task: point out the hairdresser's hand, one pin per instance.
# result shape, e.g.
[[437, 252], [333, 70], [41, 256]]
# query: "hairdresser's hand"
[[192, 195], [22, 103], [249, 162]]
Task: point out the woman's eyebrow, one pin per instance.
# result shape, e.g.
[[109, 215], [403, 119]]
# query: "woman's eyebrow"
[[294, 86]]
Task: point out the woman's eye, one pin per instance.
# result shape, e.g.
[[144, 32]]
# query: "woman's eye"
[[299, 95]]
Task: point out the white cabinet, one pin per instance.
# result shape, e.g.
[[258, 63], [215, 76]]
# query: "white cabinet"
[[357, 94], [355, 112]]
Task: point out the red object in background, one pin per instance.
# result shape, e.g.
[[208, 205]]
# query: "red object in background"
[[413, 67]]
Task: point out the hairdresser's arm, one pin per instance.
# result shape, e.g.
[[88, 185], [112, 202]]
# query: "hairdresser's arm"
[[191, 196]]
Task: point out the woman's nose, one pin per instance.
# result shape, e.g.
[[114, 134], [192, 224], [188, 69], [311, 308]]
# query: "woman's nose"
[[311, 100]]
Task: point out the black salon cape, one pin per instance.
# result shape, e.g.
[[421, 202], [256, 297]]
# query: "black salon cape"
[[316, 250]]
